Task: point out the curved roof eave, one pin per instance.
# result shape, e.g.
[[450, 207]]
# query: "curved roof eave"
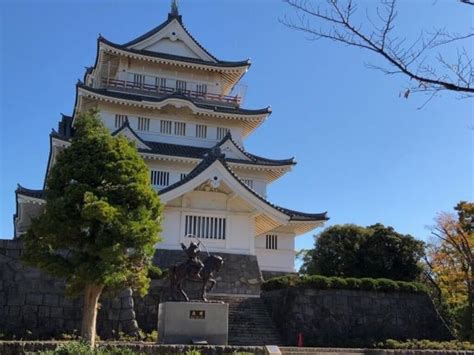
[[212, 158], [176, 96], [253, 157]]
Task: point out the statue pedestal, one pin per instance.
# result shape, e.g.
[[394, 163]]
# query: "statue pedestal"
[[188, 322]]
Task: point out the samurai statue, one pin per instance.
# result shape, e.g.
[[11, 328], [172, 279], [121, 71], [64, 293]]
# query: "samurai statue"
[[194, 265]]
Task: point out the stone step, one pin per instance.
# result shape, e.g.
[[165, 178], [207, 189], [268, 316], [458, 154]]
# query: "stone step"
[[249, 322]]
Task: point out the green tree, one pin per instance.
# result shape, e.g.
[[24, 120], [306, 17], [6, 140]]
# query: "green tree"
[[387, 252], [101, 221], [354, 251]]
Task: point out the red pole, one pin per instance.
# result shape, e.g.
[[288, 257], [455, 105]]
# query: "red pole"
[[300, 340]]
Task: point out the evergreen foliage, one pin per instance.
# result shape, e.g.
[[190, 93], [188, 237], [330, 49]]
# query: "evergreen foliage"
[[320, 282], [375, 251], [102, 217]]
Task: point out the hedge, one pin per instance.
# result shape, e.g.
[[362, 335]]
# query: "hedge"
[[414, 344], [320, 282]]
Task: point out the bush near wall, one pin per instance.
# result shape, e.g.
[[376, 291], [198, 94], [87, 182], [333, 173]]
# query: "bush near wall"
[[320, 282]]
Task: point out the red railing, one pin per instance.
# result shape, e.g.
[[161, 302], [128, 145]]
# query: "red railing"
[[131, 86]]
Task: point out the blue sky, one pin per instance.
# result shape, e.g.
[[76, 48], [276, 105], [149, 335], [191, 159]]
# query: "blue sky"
[[364, 154]]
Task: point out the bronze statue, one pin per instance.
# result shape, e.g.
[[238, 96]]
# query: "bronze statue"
[[195, 270], [194, 264]]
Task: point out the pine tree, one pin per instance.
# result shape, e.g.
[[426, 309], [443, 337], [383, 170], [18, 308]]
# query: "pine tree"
[[101, 221]]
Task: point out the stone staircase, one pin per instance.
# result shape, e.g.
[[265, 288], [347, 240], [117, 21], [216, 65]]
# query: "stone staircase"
[[249, 321]]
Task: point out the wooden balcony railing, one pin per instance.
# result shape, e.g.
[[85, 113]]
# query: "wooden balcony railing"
[[155, 90]]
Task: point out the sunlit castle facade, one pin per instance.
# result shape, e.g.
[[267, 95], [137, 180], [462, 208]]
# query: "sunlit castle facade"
[[181, 107]]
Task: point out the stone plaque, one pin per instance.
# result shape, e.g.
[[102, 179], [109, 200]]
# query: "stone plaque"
[[188, 322]]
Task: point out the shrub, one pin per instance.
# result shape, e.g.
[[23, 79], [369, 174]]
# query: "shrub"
[[353, 283], [387, 285], [368, 284], [81, 348], [338, 283], [319, 282], [425, 345], [278, 283]]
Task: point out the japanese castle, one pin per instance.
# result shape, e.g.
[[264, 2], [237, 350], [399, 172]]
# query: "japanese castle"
[[182, 108]]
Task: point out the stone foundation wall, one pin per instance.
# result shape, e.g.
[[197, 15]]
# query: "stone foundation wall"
[[353, 318], [34, 304]]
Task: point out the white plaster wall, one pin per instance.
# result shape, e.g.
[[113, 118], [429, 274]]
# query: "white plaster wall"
[[170, 229], [176, 47], [281, 259], [154, 134], [239, 223], [192, 77]]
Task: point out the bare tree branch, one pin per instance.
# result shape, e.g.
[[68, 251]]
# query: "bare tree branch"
[[336, 21]]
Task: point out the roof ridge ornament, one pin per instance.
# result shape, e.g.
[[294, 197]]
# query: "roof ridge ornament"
[[174, 8], [174, 11]]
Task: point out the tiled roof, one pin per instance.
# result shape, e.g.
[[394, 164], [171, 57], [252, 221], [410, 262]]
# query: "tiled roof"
[[218, 63], [158, 28], [204, 104], [178, 150], [255, 158], [212, 157], [201, 152], [20, 190]]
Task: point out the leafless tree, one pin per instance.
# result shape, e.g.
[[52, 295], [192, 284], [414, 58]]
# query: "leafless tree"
[[338, 20]]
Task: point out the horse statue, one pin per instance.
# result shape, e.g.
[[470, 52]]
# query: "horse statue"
[[195, 270]]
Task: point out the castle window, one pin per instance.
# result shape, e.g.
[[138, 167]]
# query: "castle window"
[[201, 89], [205, 227], [248, 182], [271, 241], [160, 83], [165, 127], [201, 131], [138, 80], [180, 128], [221, 132], [159, 178], [120, 120], [180, 85], [143, 124]]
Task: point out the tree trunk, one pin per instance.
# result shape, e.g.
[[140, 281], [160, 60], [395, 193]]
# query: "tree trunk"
[[89, 314]]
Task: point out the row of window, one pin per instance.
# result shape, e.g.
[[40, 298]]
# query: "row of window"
[[161, 178], [205, 227], [215, 228], [161, 83], [171, 127]]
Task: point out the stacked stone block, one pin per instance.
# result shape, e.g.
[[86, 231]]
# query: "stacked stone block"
[[353, 318], [34, 304]]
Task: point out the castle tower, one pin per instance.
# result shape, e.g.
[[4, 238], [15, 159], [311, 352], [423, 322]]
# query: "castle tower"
[[181, 107]]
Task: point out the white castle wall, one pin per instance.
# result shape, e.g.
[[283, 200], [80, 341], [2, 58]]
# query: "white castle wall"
[[240, 225], [281, 259], [108, 113]]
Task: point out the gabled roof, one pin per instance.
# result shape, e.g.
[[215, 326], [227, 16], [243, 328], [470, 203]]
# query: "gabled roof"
[[175, 19], [144, 52], [252, 157], [201, 152], [129, 133], [215, 156]]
